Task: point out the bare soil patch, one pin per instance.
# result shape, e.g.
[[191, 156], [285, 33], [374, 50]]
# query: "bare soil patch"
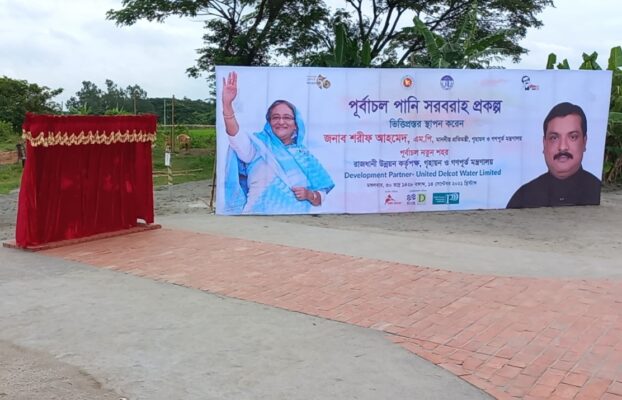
[[8, 157]]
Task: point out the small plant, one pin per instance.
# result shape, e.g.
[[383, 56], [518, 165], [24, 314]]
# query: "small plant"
[[84, 109], [117, 111], [347, 52], [464, 48]]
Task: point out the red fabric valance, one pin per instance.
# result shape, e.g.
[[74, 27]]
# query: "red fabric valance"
[[69, 130], [84, 175]]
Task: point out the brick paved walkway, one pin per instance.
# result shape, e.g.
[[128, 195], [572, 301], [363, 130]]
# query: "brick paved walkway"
[[523, 338]]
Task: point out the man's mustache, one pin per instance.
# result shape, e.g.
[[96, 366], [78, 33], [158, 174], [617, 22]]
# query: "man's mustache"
[[563, 154]]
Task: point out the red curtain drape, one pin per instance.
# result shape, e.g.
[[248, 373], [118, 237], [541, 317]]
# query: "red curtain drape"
[[84, 175]]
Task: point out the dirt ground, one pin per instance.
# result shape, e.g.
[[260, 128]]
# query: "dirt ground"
[[34, 375], [588, 230], [8, 157]]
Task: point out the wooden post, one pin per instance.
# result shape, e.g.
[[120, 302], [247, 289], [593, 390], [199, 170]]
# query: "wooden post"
[[211, 200], [134, 98], [169, 170], [173, 124]]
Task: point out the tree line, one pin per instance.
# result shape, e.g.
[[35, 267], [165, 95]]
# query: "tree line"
[[381, 33], [134, 100], [19, 96]]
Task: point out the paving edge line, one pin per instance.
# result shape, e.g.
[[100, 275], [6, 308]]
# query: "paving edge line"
[[11, 244]]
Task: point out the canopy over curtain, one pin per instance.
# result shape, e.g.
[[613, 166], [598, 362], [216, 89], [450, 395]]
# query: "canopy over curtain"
[[84, 175]]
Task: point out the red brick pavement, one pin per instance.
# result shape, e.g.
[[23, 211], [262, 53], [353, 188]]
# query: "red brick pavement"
[[515, 338]]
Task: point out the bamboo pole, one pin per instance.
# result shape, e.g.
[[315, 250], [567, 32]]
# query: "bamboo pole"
[[173, 124], [169, 170], [211, 200]]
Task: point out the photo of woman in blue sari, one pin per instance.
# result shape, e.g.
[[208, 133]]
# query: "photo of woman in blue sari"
[[270, 171]]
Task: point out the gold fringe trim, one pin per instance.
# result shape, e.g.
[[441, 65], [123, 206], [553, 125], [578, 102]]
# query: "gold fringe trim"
[[71, 139]]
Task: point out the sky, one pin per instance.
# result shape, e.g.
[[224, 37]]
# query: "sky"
[[59, 44]]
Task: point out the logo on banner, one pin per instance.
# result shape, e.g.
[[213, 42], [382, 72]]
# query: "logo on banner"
[[447, 82], [319, 80], [527, 85], [416, 199], [389, 200], [408, 82], [446, 198]]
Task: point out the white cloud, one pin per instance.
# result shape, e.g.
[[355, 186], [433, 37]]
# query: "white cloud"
[[62, 45], [571, 28]]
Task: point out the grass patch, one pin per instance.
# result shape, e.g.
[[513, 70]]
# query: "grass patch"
[[204, 138], [201, 138], [8, 142], [200, 157], [10, 177], [193, 166]]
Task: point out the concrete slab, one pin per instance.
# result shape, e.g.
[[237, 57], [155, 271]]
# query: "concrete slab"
[[505, 335], [143, 339]]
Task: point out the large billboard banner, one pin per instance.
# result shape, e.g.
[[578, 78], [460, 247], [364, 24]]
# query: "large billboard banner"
[[347, 140]]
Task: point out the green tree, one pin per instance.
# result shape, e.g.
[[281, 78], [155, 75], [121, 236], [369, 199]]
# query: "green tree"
[[87, 100], [135, 97], [17, 97], [463, 48], [187, 111], [264, 32], [346, 52], [114, 98], [237, 32], [91, 99], [395, 41]]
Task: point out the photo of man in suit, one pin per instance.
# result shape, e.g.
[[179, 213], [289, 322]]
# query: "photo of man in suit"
[[566, 182]]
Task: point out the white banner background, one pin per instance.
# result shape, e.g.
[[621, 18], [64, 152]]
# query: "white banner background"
[[329, 109]]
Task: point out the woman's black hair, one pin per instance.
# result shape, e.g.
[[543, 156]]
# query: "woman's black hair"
[[291, 107], [276, 103]]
